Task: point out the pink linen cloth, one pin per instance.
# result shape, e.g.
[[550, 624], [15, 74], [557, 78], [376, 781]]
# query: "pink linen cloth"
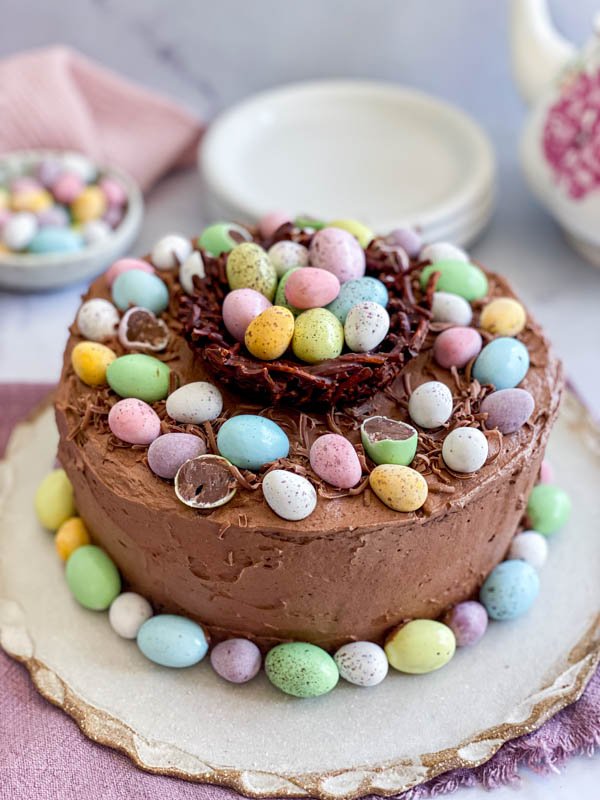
[[57, 98]]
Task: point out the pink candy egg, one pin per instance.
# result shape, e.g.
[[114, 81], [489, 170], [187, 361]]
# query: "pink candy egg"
[[124, 265], [67, 188], [335, 460], [134, 421], [270, 222], [25, 183], [455, 347], [337, 251], [310, 287], [468, 621], [239, 309], [546, 472], [5, 215], [113, 191]]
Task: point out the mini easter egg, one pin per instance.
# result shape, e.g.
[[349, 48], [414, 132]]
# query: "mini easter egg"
[[358, 229], [507, 409], [420, 646], [79, 164], [442, 251], [280, 295], [250, 441], [366, 326], [113, 215], [389, 441], [205, 482], [287, 254], [240, 307], [222, 237], [67, 187], [55, 217], [127, 614], [339, 252], [362, 663], [271, 222], [406, 238], [24, 183], [430, 404], [457, 277], [530, 546], [192, 266], [170, 251], [249, 267], [53, 500], [236, 660], [451, 308], [49, 170], [71, 535], [20, 229], [90, 361], [141, 329], [138, 375], [465, 449], [306, 223], [546, 472], [125, 265], [170, 451], [503, 317], [95, 231], [289, 495], [195, 403], [468, 622], [172, 641], [309, 287], [97, 320], [135, 287], [89, 204], [455, 347], [400, 488], [34, 200], [301, 669], [134, 421], [268, 336], [114, 191], [357, 291], [318, 336], [55, 240], [510, 589], [92, 577], [548, 508], [334, 459], [503, 362]]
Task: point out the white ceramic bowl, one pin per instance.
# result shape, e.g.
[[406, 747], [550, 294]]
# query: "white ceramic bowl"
[[33, 271]]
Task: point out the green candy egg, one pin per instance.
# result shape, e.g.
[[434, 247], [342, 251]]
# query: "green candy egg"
[[458, 277], [54, 500], [301, 669], [309, 222], [280, 298], [92, 577], [548, 508], [318, 336], [420, 646], [139, 375], [389, 441], [222, 237], [249, 267]]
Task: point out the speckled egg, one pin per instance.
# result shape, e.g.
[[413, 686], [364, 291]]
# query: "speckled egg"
[[92, 577], [125, 265], [406, 238], [468, 622], [507, 409], [71, 535], [366, 326], [359, 230], [357, 291], [287, 254], [20, 229], [127, 614], [195, 403], [250, 441], [280, 296], [398, 487], [290, 496], [334, 459], [97, 320], [301, 669], [136, 287], [89, 204], [457, 277], [269, 334], [55, 240], [134, 421], [141, 329], [546, 472], [240, 307], [236, 660], [222, 237], [170, 251], [339, 252], [455, 347], [90, 361], [420, 646], [53, 501], [510, 589], [168, 452], [530, 546], [548, 508], [465, 449], [318, 336], [362, 663], [442, 251], [191, 267], [249, 267], [389, 441], [309, 287], [504, 316], [430, 404], [205, 482], [138, 375], [503, 362], [271, 222], [172, 641]]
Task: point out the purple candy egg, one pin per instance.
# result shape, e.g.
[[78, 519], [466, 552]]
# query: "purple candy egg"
[[455, 347], [406, 238], [113, 215], [167, 453], [337, 251], [55, 216], [236, 660], [49, 171], [507, 409], [468, 621]]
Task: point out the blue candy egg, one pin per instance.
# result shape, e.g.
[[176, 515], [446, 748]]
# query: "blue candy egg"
[[172, 641], [138, 288], [54, 239], [503, 362], [510, 589], [358, 290], [250, 441]]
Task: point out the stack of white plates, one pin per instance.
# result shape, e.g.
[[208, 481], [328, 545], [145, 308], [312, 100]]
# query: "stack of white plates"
[[383, 154]]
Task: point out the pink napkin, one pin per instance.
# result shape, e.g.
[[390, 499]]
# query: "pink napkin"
[[57, 98]]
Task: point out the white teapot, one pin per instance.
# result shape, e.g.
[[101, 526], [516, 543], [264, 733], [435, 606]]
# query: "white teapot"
[[560, 146]]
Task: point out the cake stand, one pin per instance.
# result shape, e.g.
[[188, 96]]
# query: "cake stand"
[[383, 740]]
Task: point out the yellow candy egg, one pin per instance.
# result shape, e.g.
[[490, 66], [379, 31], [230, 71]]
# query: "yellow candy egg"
[[249, 267], [269, 334], [90, 361], [504, 317], [90, 204], [420, 646], [4, 248], [71, 535], [4, 198], [356, 228], [400, 488], [54, 500], [318, 336], [33, 200]]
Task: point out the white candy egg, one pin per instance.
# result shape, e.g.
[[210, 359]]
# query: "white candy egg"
[[430, 405], [442, 251], [362, 663], [465, 449], [530, 546], [286, 254], [289, 495], [170, 251], [96, 230], [195, 403], [366, 326], [19, 230], [193, 265], [451, 308], [81, 165], [127, 614], [97, 320]]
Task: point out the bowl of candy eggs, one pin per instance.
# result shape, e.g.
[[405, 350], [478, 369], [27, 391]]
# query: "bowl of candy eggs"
[[63, 218]]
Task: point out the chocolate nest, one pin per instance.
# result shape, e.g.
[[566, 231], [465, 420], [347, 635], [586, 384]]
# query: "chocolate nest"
[[347, 379]]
